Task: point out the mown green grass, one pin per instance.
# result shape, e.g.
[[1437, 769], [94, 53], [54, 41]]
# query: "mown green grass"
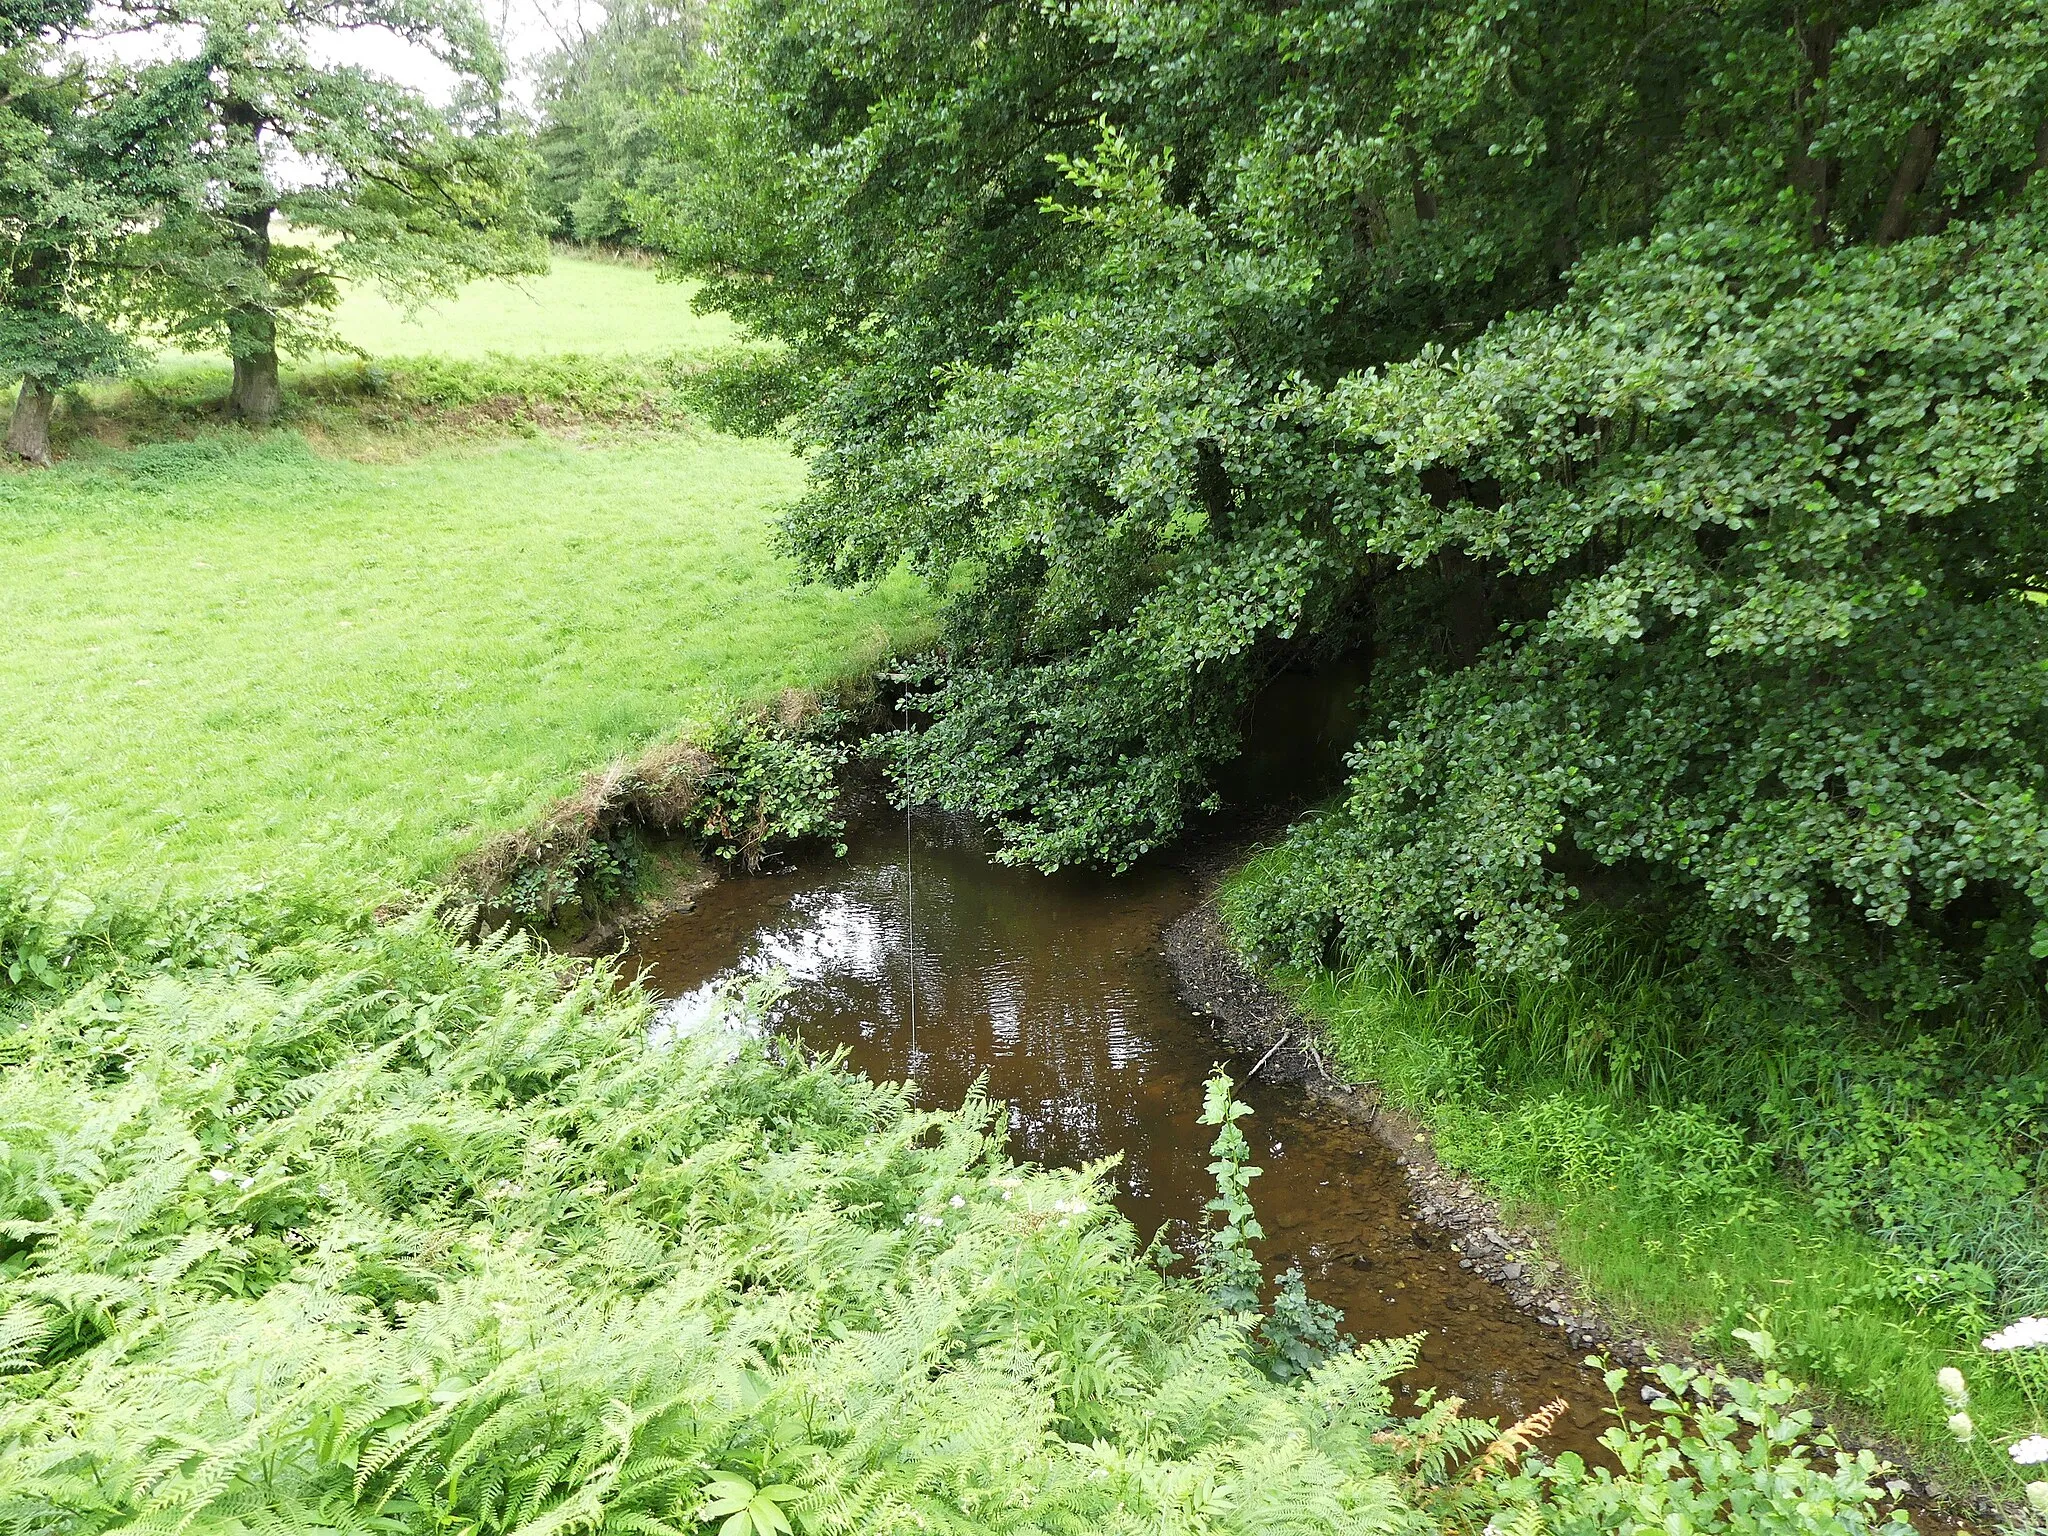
[[238, 655], [232, 655], [577, 305]]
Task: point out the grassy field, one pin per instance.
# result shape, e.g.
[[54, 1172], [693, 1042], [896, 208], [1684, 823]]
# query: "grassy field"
[[578, 305], [237, 655]]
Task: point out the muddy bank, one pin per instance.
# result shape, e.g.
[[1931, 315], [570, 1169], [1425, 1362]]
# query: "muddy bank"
[[1258, 1022]]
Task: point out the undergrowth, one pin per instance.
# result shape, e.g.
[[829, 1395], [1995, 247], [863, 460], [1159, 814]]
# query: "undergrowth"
[[325, 1224], [1715, 1159], [759, 779], [360, 405]]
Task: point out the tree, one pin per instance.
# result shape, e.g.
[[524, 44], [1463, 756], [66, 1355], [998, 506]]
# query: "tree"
[[85, 160], [1655, 397], [313, 173], [604, 100]]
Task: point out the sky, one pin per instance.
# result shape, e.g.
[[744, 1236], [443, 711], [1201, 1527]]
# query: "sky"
[[527, 30]]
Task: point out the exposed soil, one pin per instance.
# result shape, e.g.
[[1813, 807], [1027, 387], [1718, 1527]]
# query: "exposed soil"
[[1214, 982]]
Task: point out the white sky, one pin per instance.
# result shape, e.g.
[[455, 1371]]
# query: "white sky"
[[526, 30]]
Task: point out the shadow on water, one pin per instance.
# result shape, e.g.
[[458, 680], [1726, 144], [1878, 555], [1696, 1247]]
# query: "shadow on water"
[[1056, 989]]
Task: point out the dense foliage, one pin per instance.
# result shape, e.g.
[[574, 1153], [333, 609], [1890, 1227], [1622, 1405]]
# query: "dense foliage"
[[310, 173], [605, 97], [86, 155], [1653, 394], [334, 1225]]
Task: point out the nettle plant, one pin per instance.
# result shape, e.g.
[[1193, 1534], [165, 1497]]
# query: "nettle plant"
[[1297, 1333]]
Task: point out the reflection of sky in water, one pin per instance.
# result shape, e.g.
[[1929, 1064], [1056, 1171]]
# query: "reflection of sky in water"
[[1052, 991], [1023, 991], [830, 933]]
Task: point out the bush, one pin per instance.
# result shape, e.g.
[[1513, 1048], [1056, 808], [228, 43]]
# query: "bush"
[[762, 777]]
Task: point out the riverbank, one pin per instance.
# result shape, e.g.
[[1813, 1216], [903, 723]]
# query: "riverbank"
[[361, 644], [1625, 1236], [1635, 1272]]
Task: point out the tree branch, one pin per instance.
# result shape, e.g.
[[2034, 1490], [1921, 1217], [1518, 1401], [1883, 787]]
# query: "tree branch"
[[1923, 143]]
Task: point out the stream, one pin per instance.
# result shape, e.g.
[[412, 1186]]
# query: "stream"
[[1055, 988]]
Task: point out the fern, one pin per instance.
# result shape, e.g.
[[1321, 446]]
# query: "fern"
[[328, 1226]]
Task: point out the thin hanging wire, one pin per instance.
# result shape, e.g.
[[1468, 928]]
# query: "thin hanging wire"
[[909, 907]]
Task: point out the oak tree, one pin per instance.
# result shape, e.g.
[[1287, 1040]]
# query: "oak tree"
[[311, 173], [88, 157]]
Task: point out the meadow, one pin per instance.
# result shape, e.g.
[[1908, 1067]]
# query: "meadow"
[[232, 654], [582, 304]]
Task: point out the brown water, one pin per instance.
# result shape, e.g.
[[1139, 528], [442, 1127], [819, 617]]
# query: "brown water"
[[1056, 989]]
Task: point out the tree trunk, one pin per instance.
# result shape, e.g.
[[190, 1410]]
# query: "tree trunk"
[[28, 433], [256, 396], [1814, 175], [1923, 143]]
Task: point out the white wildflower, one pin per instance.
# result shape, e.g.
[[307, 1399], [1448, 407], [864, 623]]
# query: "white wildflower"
[[2032, 1451], [221, 1175], [1962, 1427], [956, 1202], [244, 1183], [1953, 1387], [2027, 1333]]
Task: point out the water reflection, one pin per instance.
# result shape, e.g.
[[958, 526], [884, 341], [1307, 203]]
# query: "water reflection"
[[1055, 990]]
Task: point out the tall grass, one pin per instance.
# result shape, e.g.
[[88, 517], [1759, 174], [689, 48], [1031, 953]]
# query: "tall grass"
[[1711, 1160]]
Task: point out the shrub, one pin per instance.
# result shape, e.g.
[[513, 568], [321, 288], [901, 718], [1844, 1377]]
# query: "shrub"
[[761, 778]]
